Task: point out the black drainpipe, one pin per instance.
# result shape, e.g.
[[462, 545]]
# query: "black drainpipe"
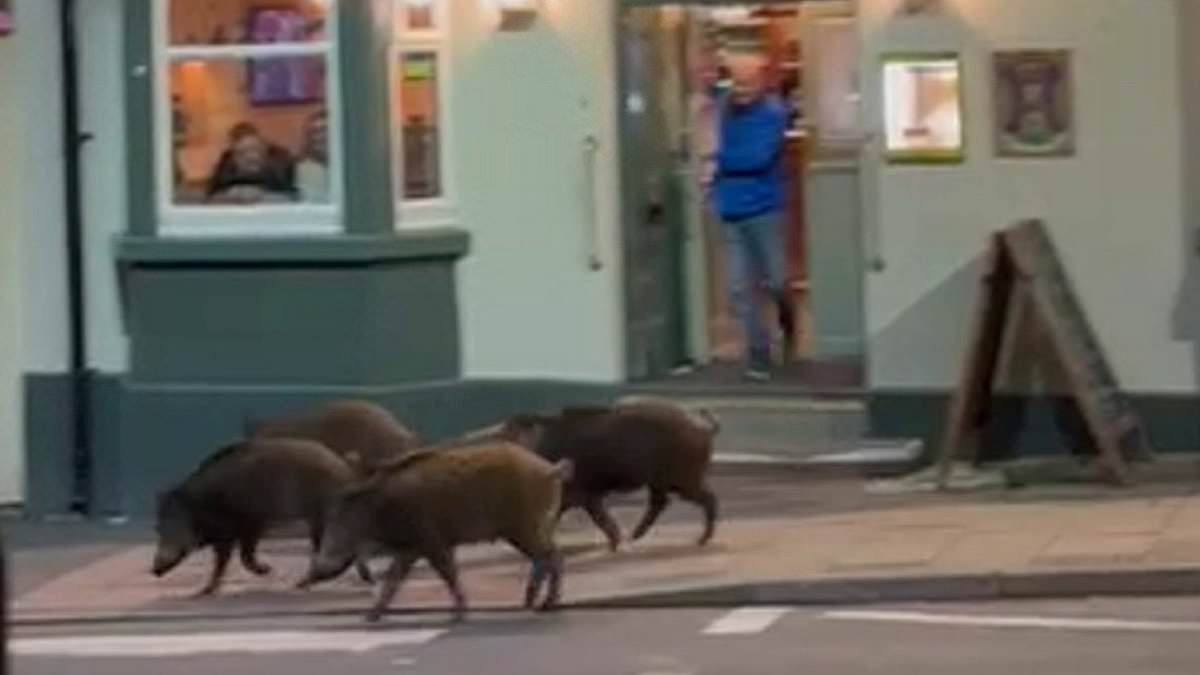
[[73, 141]]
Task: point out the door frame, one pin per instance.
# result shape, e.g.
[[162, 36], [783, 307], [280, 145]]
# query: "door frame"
[[695, 223]]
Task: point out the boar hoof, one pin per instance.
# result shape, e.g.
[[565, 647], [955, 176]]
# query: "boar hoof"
[[261, 570], [374, 616]]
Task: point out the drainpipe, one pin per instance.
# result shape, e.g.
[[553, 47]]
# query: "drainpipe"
[[73, 141]]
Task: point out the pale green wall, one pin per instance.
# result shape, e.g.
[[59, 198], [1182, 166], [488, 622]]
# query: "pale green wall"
[[1115, 209], [33, 303], [522, 103]]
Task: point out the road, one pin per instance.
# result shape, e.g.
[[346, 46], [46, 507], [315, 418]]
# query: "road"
[[1098, 637]]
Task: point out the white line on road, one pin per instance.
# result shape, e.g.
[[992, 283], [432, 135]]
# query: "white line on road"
[[1046, 622], [746, 620], [220, 643]]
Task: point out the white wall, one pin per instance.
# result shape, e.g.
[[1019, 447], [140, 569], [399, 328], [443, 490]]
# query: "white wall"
[[1115, 209], [522, 103]]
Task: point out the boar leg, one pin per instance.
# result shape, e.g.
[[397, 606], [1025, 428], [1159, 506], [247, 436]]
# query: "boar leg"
[[364, 570], [546, 566], [554, 562], [703, 497], [443, 563], [222, 551], [401, 565], [658, 502], [248, 548], [595, 509]]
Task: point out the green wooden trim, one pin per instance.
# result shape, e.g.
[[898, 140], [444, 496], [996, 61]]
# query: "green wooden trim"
[[431, 244], [364, 53], [141, 186]]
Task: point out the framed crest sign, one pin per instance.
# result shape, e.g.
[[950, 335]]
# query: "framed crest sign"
[[1034, 111]]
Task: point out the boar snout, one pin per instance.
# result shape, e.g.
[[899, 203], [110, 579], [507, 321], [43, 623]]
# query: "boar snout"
[[166, 560]]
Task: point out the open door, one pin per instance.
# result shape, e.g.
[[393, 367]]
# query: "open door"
[[652, 192]]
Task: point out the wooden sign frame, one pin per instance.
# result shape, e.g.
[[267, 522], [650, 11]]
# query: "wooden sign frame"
[[1023, 272]]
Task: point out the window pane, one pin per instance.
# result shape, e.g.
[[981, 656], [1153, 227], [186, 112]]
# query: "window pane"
[[415, 15], [222, 22], [250, 131], [417, 107]]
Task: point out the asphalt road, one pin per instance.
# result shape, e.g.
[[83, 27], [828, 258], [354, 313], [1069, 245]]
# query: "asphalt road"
[[1099, 637]]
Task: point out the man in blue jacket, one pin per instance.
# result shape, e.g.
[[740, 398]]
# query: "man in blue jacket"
[[749, 200]]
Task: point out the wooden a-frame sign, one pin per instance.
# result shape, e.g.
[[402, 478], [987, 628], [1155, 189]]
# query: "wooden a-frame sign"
[[1023, 272]]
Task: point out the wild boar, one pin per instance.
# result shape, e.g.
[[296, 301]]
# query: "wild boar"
[[362, 432], [240, 491], [433, 501], [623, 448]]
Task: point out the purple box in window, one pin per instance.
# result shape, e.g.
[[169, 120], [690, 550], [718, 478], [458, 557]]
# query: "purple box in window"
[[283, 80]]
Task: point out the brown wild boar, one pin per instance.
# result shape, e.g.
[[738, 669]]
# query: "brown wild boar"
[[622, 448], [362, 432], [240, 491], [433, 501]]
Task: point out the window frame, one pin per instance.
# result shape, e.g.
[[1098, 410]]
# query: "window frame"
[[433, 211], [199, 221]]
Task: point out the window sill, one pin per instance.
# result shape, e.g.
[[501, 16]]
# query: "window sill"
[[413, 244]]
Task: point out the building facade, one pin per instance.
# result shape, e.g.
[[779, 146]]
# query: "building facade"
[[454, 236]]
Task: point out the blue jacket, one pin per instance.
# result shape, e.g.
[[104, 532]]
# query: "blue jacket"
[[749, 178]]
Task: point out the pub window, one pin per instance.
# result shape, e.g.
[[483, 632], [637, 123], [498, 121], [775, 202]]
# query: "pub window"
[[247, 96], [419, 57]]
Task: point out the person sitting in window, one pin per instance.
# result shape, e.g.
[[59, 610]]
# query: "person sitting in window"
[[312, 173], [252, 170]]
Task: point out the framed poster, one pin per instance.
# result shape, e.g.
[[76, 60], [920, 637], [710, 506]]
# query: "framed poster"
[[923, 109], [6, 21], [1034, 115]]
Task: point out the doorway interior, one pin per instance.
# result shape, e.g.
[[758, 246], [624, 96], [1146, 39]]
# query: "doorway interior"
[[674, 72]]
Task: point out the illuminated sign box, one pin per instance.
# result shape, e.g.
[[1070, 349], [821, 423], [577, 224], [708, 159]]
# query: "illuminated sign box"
[[922, 107]]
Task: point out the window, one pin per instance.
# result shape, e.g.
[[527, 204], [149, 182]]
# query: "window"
[[419, 111], [247, 105]]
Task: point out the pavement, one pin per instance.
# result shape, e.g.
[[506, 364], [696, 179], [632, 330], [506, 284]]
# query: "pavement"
[[1100, 637], [781, 541]]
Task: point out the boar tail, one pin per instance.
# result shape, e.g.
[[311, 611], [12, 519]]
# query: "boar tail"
[[714, 424], [563, 470]]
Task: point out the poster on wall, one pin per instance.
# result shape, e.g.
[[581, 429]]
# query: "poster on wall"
[[922, 107], [1033, 115], [6, 22]]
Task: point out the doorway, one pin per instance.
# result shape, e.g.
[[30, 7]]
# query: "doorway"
[[681, 328]]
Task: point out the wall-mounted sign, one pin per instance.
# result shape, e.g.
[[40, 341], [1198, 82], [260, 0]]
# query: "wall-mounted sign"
[[6, 21], [922, 108], [1034, 115]]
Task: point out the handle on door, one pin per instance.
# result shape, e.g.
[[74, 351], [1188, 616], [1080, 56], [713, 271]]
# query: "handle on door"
[[591, 145]]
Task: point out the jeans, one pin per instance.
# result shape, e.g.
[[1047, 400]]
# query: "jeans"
[[755, 253]]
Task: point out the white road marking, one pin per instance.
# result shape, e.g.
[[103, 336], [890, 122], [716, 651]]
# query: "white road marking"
[[746, 620], [1045, 622], [220, 643]]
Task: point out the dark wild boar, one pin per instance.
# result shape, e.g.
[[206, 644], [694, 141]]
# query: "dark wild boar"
[[239, 492], [623, 448], [431, 502], [363, 433]]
